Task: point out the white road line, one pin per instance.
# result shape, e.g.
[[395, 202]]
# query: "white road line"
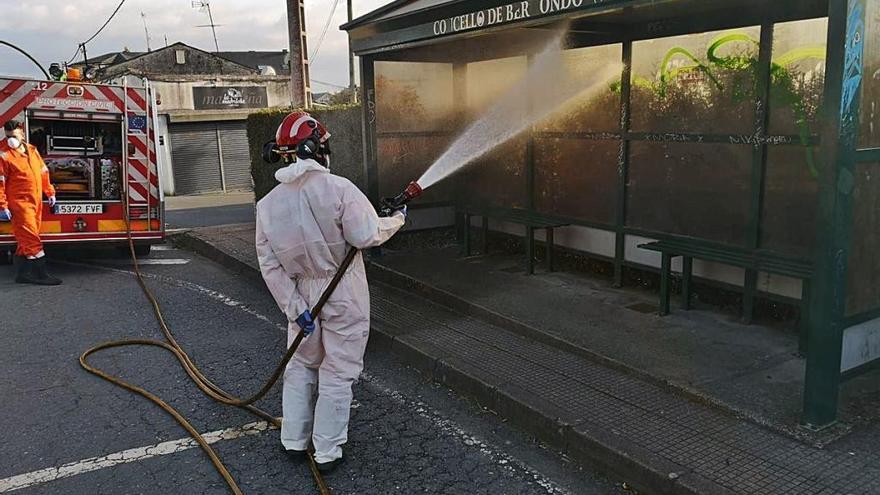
[[148, 261], [444, 424], [451, 428], [164, 247], [127, 456]]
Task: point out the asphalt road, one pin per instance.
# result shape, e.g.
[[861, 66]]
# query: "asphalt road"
[[407, 435], [209, 209]]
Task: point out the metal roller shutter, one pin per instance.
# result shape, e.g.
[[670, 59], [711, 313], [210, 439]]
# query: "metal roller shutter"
[[196, 158], [236, 158]]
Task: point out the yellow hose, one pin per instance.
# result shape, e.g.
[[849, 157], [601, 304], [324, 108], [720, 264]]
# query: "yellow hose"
[[202, 382]]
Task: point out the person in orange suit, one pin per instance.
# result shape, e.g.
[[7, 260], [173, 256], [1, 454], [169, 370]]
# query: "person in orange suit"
[[24, 178]]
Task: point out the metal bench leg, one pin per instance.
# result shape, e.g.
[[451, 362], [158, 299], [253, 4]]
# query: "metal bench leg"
[[665, 269], [751, 287], [467, 234], [485, 235], [550, 246], [804, 321], [687, 269], [459, 227], [530, 250]]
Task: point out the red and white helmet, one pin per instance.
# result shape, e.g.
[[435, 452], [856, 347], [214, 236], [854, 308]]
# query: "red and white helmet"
[[298, 127]]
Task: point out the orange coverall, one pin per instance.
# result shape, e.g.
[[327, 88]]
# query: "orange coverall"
[[23, 180]]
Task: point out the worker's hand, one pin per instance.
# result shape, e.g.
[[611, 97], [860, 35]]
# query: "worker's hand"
[[52, 201], [403, 210], [306, 322], [5, 215]]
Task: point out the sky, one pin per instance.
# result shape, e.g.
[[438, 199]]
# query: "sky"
[[50, 30]]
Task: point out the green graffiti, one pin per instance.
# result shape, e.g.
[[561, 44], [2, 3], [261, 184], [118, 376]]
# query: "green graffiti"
[[744, 68]]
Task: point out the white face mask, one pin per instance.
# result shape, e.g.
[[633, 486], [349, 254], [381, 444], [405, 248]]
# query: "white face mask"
[[13, 142]]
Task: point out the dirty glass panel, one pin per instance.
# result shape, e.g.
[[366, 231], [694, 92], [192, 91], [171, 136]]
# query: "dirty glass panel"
[[413, 96], [489, 80], [699, 83], [497, 179], [698, 190], [870, 109], [798, 77], [577, 178], [791, 195], [588, 112], [863, 271], [403, 159]]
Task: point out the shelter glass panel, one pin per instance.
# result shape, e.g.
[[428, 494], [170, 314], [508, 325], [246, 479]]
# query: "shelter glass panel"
[[489, 81], [863, 269], [498, 179], [698, 83], [404, 158], [791, 194], [870, 108], [413, 96], [590, 111], [798, 77], [698, 190], [577, 178]]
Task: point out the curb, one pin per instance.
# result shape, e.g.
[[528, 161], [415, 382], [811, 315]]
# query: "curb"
[[394, 278], [598, 448]]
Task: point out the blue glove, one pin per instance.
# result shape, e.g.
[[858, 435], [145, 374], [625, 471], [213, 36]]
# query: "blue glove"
[[5, 215], [306, 322], [403, 210], [52, 201]]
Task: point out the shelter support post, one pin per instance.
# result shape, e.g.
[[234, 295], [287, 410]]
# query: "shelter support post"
[[622, 165], [834, 226]]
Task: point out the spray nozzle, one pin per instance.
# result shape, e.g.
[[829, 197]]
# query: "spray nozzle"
[[390, 205]]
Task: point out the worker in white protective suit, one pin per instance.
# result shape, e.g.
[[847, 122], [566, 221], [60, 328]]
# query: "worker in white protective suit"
[[305, 226]]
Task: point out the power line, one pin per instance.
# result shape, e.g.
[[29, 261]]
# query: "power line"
[[78, 48], [329, 84], [324, 32], [105, 23], [28, 55]]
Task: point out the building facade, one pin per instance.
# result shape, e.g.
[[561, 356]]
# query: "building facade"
[[203, 101]]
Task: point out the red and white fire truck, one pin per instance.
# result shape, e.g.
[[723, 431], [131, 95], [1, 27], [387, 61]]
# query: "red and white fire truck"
[[99, 143]]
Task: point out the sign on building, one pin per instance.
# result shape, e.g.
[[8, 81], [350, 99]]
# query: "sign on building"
[[224, 98]]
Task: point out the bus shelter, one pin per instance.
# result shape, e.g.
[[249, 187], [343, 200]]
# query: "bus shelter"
[[735, 126]]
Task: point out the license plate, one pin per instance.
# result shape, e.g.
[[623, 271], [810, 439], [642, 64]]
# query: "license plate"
[[79, 209]]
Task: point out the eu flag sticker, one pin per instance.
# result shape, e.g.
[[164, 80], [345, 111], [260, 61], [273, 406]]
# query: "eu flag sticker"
[[137, 123]]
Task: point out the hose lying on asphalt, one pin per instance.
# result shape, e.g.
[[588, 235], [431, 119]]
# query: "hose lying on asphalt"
[[202, 382]]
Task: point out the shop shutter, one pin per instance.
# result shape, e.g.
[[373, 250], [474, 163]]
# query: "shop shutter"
[[236, 158], [196, 158]]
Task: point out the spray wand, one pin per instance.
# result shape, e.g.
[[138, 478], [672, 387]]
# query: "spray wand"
[[390, 205]]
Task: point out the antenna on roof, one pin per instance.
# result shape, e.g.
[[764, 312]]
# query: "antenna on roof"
[[205, 6], [146, 31]]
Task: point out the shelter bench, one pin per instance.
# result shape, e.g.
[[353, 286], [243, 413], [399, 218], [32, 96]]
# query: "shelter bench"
[[753, 261], [530, 219]]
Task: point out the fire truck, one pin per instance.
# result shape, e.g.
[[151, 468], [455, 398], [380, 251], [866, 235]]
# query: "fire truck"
[[99, 144]]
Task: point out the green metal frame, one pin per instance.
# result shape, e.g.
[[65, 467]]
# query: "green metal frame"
[[840, 136], [837, 143]]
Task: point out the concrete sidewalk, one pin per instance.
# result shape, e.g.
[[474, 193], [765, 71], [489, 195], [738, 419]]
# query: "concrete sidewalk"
[[656, 438]]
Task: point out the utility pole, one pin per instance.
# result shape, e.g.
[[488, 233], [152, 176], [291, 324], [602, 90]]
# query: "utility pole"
[[351, 82], [300, 93], [146, 31]]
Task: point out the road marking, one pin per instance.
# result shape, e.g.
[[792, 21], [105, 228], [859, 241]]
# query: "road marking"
[[448, 426], [451, 428], [164, 247], [127, 456], [149, 261]]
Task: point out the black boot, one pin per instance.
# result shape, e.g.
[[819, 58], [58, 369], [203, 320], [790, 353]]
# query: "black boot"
[[35, 272]]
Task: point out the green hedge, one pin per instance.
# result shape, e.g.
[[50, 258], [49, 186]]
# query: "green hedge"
[[344, 124]]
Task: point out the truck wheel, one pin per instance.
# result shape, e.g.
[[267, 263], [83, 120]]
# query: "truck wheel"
[[142, 250]]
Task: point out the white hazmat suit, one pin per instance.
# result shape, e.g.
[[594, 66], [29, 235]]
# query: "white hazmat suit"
[[305, 227]]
